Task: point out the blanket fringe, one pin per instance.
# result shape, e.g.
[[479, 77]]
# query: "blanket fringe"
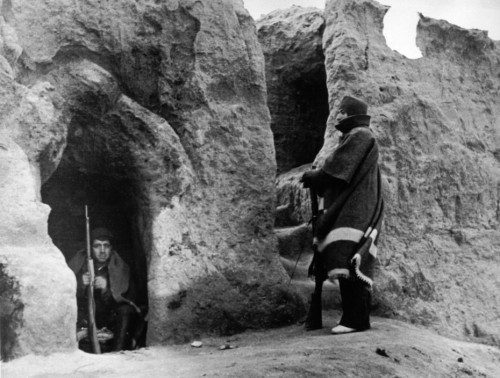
[[356, 262], [338, 273]]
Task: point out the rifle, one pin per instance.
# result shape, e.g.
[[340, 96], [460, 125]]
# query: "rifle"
[[92, 330], [314, 317]]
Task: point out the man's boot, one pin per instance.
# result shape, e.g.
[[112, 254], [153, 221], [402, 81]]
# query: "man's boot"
[[314, 318], [122, 327]]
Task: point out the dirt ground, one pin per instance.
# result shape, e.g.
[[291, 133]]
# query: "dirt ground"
[[390, 349]]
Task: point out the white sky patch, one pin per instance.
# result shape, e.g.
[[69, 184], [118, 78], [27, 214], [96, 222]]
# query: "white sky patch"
[[400, 22], [400, 30]]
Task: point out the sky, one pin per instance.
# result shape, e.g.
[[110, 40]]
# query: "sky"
[[401, 20]]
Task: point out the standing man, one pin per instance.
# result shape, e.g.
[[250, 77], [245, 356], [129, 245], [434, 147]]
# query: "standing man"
[[114, 293], [347, 230]]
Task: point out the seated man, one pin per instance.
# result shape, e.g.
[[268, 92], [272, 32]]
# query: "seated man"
[[114, 294]]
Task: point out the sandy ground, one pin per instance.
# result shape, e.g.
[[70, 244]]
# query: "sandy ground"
[[389, 349]]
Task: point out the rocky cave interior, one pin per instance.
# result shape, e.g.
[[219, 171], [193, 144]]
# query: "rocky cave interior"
[[94, 172], [299, 111]]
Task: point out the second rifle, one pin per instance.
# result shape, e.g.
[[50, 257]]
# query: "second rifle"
[[314, 319]]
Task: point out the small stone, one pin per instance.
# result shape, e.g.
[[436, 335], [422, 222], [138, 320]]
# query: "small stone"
[[226, 346], [196, 344], [381, 352]]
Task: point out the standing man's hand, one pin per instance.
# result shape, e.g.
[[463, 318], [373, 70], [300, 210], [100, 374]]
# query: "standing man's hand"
[[86, 279], [307, 179], [101, 283], [315, 178]]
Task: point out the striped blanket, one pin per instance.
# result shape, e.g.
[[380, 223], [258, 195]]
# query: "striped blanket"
[[349, 227]]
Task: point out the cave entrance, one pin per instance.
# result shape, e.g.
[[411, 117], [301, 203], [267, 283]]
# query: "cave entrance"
[[299, 111], [97, 171]]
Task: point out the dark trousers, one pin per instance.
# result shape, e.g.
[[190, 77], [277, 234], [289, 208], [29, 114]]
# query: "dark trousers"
[[121, 320], [356, 303], [125, 321]]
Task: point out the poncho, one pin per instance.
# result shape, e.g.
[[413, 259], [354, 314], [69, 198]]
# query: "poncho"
[[349, 228]]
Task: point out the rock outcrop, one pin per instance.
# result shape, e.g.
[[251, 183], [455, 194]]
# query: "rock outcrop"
[[437, 120], [33, 274], [154, 114], [296, 83]]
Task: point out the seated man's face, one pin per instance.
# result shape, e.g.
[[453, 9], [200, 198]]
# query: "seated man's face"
[[101, 250]]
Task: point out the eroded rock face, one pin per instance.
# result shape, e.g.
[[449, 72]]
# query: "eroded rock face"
[[31, 269], [295, 74], [38, 311], [437, 120], [154, 115]]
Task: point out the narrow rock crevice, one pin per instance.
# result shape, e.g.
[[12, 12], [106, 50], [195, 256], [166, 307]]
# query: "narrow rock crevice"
[[296, 83]]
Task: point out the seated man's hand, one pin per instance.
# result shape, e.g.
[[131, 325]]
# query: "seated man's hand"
[[104, 335], [81, 334], [86, 279], [101, 283]]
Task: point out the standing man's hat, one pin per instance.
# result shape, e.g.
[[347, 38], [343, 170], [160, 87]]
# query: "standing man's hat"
[[353, 106], [101, 233]]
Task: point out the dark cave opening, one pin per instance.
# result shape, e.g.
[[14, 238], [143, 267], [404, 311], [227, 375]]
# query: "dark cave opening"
[[299, 112], [89, 174], [313, 110]]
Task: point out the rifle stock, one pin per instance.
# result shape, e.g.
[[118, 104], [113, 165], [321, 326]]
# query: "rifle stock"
[[92, 329], [314, 316]]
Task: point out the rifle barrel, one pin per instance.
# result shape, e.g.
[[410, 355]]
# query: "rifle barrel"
[[92, 330]]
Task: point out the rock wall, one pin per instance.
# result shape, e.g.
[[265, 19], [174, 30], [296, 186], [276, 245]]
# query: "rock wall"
[[437, 120], [154, 114], [33, 274]]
